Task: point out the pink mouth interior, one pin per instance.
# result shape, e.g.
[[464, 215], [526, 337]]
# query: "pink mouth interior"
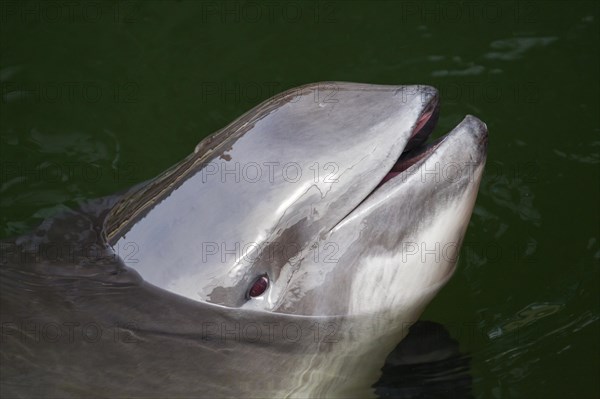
[[415, 149], [422, 121]]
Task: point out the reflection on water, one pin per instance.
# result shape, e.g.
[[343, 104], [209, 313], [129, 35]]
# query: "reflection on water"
[[524, 317], [515, 48]]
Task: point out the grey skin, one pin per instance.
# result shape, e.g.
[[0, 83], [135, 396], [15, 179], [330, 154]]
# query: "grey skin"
[[153, 297]]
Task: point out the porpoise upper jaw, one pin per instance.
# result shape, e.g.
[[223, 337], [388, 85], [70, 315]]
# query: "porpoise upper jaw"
[[317, 163]]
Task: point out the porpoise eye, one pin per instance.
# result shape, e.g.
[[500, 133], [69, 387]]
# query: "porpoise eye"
[[258, 287]]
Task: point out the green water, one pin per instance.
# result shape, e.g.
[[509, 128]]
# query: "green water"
[[99, 96]]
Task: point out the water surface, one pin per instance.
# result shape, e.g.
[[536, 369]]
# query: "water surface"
[[99, 96]]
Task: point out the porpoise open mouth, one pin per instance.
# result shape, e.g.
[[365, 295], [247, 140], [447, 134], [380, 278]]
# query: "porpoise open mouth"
[[417, 147]]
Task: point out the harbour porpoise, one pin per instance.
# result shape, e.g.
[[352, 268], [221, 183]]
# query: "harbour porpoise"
[[285, 257]]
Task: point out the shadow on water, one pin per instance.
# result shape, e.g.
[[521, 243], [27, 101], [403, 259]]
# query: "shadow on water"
[[426, 364]]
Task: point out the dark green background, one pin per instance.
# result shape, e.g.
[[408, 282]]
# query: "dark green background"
[[99, 96]]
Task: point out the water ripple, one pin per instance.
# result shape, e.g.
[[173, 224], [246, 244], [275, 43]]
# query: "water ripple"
[[514, 48]]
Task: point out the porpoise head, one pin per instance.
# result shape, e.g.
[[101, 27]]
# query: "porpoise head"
[[322, 201]]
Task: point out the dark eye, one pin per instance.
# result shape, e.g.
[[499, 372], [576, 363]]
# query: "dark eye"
[[258, 287]]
